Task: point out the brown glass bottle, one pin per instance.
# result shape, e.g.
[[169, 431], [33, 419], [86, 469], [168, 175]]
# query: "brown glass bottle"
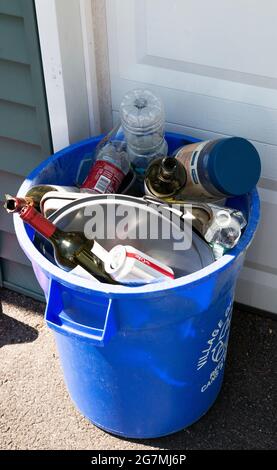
[[165, 177], [36, 193]]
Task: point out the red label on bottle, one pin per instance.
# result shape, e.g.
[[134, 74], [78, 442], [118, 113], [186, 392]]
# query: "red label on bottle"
[[104, 177], [30, 215], [149, 263]]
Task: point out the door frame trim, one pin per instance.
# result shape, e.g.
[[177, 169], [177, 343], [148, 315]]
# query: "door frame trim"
[[68, 58]]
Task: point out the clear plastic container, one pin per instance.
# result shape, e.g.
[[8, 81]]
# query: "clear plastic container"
[[111, 165], [143, 120]]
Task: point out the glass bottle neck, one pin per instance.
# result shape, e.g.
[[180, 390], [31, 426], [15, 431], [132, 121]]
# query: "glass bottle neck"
[[168, 168], [42, 225]]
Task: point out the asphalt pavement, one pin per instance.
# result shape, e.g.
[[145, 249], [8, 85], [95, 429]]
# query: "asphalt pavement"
[[37, 413]]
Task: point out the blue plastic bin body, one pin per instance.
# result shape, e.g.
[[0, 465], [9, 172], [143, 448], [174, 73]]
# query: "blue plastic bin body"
[[146, 361]]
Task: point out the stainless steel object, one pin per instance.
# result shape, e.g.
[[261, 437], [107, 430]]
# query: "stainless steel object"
[[220, 226], [193, 255]]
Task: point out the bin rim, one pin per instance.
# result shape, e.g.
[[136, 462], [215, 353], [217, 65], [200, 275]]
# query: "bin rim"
[[72, 281]]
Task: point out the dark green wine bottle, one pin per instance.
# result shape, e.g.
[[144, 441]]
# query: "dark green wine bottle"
[[71, 249]]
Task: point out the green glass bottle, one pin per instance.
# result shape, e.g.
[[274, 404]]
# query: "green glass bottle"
[[71, 249]]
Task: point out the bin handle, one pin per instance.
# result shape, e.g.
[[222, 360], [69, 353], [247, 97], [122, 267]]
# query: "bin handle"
[[57, 322]]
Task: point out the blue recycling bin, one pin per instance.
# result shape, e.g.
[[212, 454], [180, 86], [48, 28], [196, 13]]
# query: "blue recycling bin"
[[144, 361]]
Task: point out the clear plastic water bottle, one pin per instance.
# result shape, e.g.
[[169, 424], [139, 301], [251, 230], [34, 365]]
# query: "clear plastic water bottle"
[[143, 120], [111, 165]]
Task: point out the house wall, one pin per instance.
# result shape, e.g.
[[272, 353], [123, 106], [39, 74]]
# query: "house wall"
[[24, 129]]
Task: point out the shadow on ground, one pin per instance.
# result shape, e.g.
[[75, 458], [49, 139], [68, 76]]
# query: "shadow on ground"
[[13, 331], [21, 301]]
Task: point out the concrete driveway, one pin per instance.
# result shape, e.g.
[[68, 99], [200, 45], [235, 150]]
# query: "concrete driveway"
[[36, 411]]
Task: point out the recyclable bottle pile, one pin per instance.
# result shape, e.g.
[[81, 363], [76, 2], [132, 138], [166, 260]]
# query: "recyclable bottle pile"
[[193, 183]]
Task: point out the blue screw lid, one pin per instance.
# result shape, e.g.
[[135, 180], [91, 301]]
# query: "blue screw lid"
[[234, 166]]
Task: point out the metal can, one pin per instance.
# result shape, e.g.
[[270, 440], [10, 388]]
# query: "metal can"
[[128, 265]]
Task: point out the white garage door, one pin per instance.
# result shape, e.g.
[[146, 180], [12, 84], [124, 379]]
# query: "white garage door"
[[214, 64]]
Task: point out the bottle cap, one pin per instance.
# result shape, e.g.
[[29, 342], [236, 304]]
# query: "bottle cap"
[[234, 166]]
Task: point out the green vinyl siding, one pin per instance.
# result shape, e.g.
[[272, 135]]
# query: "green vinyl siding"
[[11, 7], [24, 129], [21, 157], [11, 74], [20, 278], [19, 122], [13, 39]]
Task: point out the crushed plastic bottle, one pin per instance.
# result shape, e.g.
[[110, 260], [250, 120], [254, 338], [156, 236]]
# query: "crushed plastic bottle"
[[224, 230], [111, 165]]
